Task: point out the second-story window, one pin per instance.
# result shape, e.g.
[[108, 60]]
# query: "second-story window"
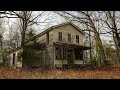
[[69, 37], [60, 36], [77, 38], [47, 38]]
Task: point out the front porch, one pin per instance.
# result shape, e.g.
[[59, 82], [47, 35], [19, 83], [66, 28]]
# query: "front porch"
[[68, 54]]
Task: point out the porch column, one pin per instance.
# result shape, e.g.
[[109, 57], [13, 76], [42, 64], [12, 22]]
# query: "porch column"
[[73, 55], [66, 55], [54, 55], [83, 57], [62, 54]]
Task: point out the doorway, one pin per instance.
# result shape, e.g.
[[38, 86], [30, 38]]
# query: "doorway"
[[13, 63], [70, 57]]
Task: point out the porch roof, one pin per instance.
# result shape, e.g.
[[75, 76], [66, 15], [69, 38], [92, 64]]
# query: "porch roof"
[[66, 44]]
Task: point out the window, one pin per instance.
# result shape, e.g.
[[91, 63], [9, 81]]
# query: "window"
[[64, 54], [58, 53], [69, 37], [47, 38], [77, 38], [78, 54], [60, 36], [13, 58]]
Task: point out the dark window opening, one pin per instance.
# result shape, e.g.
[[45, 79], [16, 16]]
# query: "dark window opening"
[[60, 36], [64, 54], [78, 54], [77, 38], [69, 37], [58, 53], [13, 58], [47, 38]]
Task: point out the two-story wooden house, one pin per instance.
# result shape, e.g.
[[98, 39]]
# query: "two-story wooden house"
[[64, 46]]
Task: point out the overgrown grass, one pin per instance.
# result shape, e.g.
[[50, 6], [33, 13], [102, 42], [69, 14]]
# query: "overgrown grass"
[[101, 73]]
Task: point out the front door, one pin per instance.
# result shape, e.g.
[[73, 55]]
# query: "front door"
[[70, 57]]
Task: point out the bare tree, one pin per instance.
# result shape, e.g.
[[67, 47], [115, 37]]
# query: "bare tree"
[[112, 22], [2, 43], [1, 37], [26, 20]]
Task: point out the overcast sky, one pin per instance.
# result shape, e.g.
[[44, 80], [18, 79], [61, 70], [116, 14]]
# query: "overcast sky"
[[56, 19]]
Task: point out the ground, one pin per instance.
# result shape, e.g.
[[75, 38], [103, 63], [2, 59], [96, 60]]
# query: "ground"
[[102, 73]]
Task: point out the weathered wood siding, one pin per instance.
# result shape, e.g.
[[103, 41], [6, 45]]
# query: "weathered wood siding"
[[18, 63], [66, 29], [49, 53]]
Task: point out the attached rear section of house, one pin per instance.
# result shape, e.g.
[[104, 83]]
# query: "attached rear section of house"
[[64, 46]]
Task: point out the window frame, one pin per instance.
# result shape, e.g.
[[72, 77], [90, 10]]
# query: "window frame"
[[58, 53], [60, 36], [69, 37], [13, 62], [47, 38], [77, 39], [78, 54]]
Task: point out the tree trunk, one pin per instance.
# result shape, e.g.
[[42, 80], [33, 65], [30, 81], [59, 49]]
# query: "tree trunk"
[[115, 32], [24, 29], [100, 50], [118, 56], [118, 50], [90, 45]]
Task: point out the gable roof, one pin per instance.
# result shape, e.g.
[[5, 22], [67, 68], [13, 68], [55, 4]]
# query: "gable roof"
[[56, 26], [51, 28]]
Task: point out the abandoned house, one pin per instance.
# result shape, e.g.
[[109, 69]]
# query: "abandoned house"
[[64, 45]]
